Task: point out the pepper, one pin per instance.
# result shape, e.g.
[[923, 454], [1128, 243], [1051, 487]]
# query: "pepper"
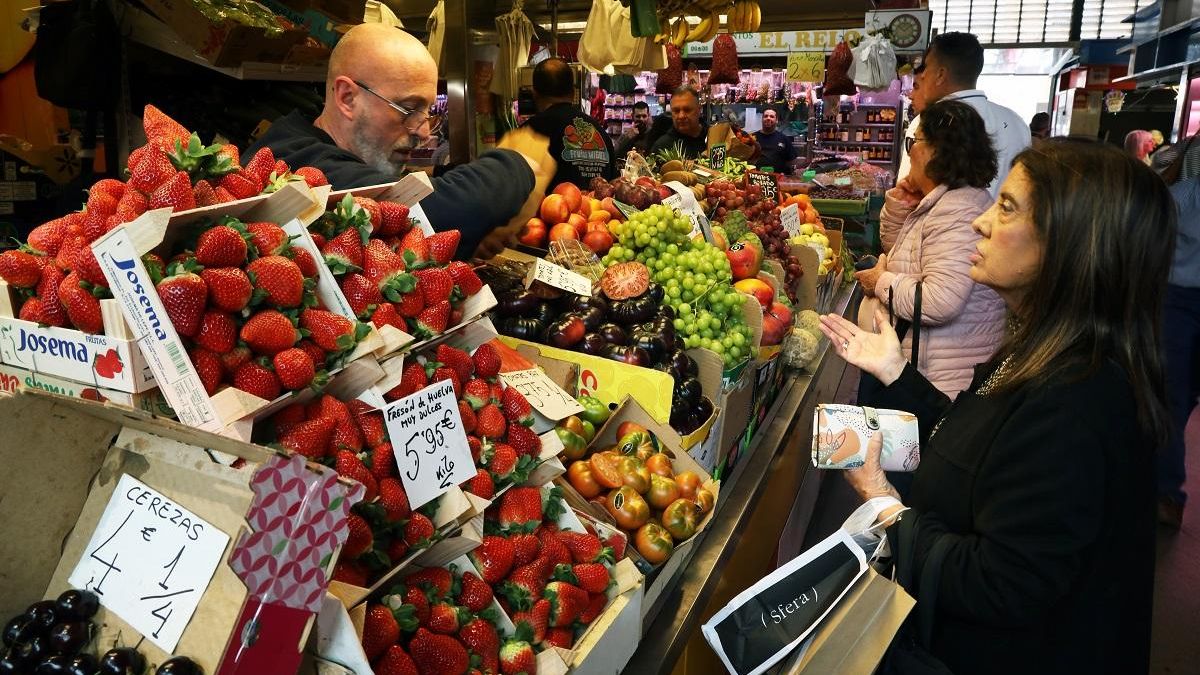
[[594, 410]]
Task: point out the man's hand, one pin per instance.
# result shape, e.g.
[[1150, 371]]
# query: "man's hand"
[[535, 149], [868, 278]]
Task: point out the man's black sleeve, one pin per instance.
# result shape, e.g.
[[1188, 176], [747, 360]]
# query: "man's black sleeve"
[[476, 198]]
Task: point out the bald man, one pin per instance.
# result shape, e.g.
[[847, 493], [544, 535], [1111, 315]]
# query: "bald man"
[[378, 91], [578, 141]]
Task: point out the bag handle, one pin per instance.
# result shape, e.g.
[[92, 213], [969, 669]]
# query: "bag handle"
[[902, 325]]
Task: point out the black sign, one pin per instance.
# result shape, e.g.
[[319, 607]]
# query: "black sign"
[[767, 181], [761, 630], [716, 157]]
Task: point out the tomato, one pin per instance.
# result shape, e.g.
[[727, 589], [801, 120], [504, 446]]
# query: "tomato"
[[681, 518], [662, 492], [605, 469], [705, 500], [636, 443], [654, 543], [660, 463], [580, 475], [634, 474], [689, 483], [627, 428], [628, 508]]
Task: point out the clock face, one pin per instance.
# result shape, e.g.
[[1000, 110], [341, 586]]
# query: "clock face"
[[906, 31]]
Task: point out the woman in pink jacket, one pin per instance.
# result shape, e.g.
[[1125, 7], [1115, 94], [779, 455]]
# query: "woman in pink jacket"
[[926, 228]]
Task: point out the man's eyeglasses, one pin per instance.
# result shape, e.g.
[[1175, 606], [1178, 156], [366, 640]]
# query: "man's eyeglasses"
[[413, 119]]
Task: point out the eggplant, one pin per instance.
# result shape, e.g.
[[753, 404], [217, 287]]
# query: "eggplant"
[[519, 303], [690, 390], [704, 408], [656, 292], [546, 291], [521, 328], [634, 356], [632, 311], [593, 343], [592, 317], [598, 299], [613, 334], [654, 344], [544, 312]]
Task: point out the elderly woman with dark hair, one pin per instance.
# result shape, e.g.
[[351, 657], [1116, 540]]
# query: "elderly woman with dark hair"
[[926, 228]]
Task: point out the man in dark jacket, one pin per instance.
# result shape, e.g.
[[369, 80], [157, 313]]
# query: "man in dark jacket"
[[636, 137], [578, 142], [380, 85], [688, 132]]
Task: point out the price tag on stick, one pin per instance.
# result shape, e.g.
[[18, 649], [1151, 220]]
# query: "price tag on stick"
[[150, 560], [790, 219], [559, 277], [542, 393], [430, 444]]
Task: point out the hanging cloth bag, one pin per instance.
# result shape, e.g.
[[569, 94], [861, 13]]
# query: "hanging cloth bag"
[[874, 63], [837, 80]]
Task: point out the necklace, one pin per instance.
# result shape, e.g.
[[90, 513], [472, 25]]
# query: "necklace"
[[995, 379]]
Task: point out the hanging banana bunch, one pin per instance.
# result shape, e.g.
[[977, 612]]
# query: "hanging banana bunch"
[[745, 17]]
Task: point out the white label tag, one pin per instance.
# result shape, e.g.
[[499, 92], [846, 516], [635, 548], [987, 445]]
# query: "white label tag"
[[790, 219], [543, 394], [429, 442], [559, 277], [150, 561], [417, 215], [327, 289], [147, 320], [684, 201]]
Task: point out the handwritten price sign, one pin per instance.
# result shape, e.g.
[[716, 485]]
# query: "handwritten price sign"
[[806, 67], [790, 219], [150, 561], [559, 277], [543, 394], [429, 442]]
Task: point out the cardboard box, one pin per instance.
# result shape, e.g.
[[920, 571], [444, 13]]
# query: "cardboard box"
[[736, 405], [84, 449], [227, 43], [318, 25], [13, 380]]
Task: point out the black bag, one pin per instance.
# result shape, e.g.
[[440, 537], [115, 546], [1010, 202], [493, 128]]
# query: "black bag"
[[868, 385], [77, 56], [909, 653]]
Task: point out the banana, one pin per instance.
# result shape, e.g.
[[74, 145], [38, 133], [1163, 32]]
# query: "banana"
[[756, 19], [681, 33], [714, 26], [737, 18], [701, 30]]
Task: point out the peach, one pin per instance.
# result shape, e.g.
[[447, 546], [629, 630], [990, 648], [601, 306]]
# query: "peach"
[[554, 209], [569, 192]]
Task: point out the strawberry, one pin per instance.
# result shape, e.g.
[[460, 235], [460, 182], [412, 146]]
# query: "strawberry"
[[360, 538], [468, 417], [476, 447], [133, 203], [415, 595], [223, 195], [383, 462], [386, 270], [395, 661], [447, 373], [175, 193], [370, 421], [397, 551], [465, 278], [393, 220], [257, 380], [82, 308], [153, 169], [486, 361], [229, 288], [412, 380], [361, 294], [69, 251], [162, 131], [269, 332], [267, 238], [386, 315], [585, 548], [443, 245], [445, 618], [478, 393], [332, 332], [481, 485], [523, 587], [617, 543], [101, 203], [235, 358], [184, 296], [280, 278], [592, 577], [348, 465], [53, 313], [435, 284], [95, 224], [330, 406], [382, 626], [527, 547], [305, 261], [503, 461], [413, 243], [350, 572], [47, 238], [21, 269], [31, 310], [108, 186], [240, 185], [294, 368], [554, 552], [516, 408], [346, 436], [595, 607], [410, 305], [217, 332], [536, 620], [490, 423], [494, 558], [439, 654], [311, 175], [560, 637], [88, 268], [435, 579], [457, 359], [516, 656], [520, 509], [230, 151], [480, 636], [393, 499], [344, 253], [314, 352], [567, 602], [204, 194], [419, 531], [221, 246], [476, 595], [288, 417], [261, 165], [371, 207], [524, 440], [432, 320]]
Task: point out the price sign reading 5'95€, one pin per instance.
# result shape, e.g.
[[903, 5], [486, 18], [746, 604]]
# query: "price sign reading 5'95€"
[[149, 560], [429, 441]]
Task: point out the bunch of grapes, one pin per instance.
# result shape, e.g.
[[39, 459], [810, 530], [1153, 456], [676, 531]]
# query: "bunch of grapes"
[[776, 245], [695, 277]]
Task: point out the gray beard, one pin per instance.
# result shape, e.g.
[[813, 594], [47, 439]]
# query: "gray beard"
[[372, 154]]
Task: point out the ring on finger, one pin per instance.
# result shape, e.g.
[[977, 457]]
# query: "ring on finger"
[[845, 344]]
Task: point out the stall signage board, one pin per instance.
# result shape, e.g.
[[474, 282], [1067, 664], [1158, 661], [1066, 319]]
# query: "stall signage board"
[[790, 219], [766, 181], [559, 277], [717, 155], [150, 561], [430, 445], [781, 42], [806, 67]]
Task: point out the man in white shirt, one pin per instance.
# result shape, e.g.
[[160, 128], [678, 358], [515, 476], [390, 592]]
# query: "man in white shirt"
[[950, 69]]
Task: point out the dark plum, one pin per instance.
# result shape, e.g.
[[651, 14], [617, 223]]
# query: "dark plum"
[[122, 661], [69, 637], [180, 665], [593, 343], [592, 317], [613, 334], [77, 604], [80, 664], [517, 303], [27, 655]]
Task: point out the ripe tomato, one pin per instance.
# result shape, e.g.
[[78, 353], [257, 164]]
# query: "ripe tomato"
[[627, 428], [628, 508], [689, 483], [705, 500], [637, 443], [654, 543], [634, 473], [662, 492], [580, 475], [681, 518], [605, 469], [660, 463]]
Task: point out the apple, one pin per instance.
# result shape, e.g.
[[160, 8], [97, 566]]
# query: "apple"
[[757, 288], [773, 330], [611, 208], [743, 261], [806, 229], [781, 312], [569, 192], [578, 222], [600, 216], [598, 240], [554, 209], [533, 233], [563, 231], [719, 239]]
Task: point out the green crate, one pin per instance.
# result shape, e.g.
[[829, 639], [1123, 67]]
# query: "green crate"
[[840, 207]]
